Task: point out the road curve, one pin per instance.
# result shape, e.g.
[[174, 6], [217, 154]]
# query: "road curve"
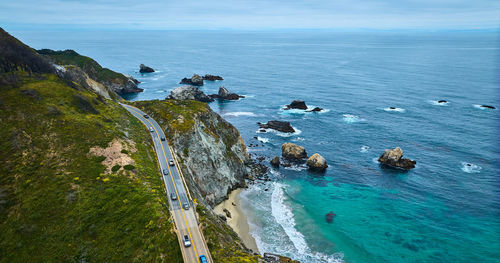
[[184, 219]]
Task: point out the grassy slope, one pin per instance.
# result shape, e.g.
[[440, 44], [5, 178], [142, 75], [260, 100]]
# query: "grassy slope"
[[90, 66], [56, 205], [224, 244]]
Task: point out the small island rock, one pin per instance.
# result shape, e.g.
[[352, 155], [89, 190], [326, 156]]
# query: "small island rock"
[[316, 109], [488, 107], [297, 104], [316, 162], [212, 77], [275, 161], [224, 94], [195, 80], [145, 69], [292, 151], [442, 101], [189, 93], [282, 126], [330, 216], [393, 158]]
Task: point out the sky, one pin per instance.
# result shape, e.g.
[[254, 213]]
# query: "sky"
[[251, 14]]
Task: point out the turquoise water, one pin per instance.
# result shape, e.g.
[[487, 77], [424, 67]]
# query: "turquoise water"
[[442, 211]]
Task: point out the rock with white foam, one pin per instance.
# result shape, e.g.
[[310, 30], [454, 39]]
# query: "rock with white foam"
[[317, 163], [275, 161], [394, 158], [282, 126]]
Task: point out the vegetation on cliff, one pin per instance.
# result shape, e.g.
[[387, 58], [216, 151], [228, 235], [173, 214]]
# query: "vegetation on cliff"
[[59, 201]]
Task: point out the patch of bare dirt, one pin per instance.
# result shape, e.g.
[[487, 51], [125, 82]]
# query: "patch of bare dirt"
[[114, 154]]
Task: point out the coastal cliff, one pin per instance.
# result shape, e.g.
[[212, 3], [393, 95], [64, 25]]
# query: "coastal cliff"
[[211, 151]]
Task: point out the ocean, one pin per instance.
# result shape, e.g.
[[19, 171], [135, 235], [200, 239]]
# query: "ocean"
[[444, 210]]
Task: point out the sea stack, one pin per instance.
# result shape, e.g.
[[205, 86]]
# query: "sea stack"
[[393, 158], [145, 69], [317, 163], [195, 80], [297, 104], [282, 126], [293, 152]]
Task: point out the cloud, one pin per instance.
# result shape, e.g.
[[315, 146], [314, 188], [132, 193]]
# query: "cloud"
[[172, 14]]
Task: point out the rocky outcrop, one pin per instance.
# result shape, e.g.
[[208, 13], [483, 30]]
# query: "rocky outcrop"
[[442, 101], [317, 163], [224, 94], [145, 69], [212, 77], [75, 74], [113, 81], [293, 152], [316, 109], [394, 158], [195, 80], [210, 150], [488, 107], [275, 161], [282, 126], [189, 93], [297, 104]]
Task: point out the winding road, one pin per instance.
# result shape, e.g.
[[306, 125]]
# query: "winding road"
[[184, 219]]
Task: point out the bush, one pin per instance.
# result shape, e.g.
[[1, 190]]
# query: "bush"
[[128, 167], [115, 168], [101, 158], [124, 151]]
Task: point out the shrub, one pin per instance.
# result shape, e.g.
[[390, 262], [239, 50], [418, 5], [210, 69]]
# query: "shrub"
[[124, 151], [115, 168], [128, 167], [101, 158]]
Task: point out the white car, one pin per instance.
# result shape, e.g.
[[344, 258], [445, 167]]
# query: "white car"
[[171, 162], [151, 129], [187, 242]]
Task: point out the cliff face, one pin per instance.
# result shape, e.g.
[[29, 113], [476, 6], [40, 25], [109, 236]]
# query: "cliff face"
[[211, 151]]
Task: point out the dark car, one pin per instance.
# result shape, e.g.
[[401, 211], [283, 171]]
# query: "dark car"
[[162, 138], [173, 196], [165, 171], [187, 242], [203, 259], [146, 116], [185, 206]]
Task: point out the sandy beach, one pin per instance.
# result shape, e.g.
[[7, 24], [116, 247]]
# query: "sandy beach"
[[238, 220]]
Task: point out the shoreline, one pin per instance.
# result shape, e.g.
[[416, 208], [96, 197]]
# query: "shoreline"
[[238, 220]]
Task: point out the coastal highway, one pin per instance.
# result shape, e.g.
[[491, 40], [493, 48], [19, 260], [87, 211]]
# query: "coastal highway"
[[184, 219]]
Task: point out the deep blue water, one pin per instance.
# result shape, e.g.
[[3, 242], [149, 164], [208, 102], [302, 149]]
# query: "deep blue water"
[[442, 211]]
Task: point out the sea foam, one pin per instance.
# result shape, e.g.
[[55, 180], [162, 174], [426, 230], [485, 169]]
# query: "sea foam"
[[471, 168], [364, 148], [282, 134], [394, 109], [262, 139], [239, 113], [349, 118]]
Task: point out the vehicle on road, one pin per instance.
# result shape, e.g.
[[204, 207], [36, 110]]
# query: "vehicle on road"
[[173, 196], [185, 206], [151, 129], [162, 138], [171, 162], [203, 259], [165, 171], [187, 242], [146, 116]]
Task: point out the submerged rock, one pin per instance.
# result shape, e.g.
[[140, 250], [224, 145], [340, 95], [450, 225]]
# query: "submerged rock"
[[224, 94], [195, 80], [275, 161], [282, 126], [393, 158], [317, 163], [488, 107], [442, 101], [293, 152], [212, 77], [189, 93], [330, 216], [145, 69], [297, 104]]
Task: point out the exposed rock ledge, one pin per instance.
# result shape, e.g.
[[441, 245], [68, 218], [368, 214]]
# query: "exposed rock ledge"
[[145, 69], [212, 77], [189, 93], [317, 163], [293, 152], [195, 80], [282, 126], [393, 158], [224, 94]]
